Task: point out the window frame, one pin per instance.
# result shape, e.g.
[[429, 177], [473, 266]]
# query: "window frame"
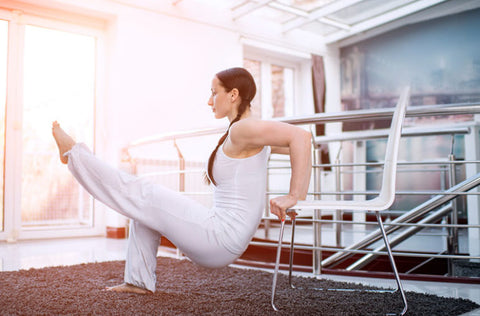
[[18, 16], [300, 64]]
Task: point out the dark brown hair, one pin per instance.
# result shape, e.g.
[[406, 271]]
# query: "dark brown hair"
[[230, 79]]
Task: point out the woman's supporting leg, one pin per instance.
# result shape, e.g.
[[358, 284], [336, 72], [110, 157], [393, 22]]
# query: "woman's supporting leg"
[[141, 261]]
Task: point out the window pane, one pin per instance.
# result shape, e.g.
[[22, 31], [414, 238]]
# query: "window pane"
[[278, 89], [375, 70], [253, 66], [59, 73], [282, 91], [3, 93]]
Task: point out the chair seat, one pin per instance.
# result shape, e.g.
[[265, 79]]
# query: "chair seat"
[[379, 203]]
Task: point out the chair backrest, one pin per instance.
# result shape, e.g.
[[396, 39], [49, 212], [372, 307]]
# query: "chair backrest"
[[387, 192]]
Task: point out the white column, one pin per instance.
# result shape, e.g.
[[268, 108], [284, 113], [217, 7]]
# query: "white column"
[[13, 127]]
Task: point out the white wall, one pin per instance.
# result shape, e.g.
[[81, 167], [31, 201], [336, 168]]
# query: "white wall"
[[160, 70], [159, 74]]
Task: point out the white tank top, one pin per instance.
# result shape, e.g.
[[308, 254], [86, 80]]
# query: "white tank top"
[[239, 197]]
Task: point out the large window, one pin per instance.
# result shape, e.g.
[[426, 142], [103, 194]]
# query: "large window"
[[275, 88], [50, 74], [59, 81], [439, 59]]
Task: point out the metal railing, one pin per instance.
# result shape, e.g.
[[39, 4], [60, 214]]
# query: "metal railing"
[[447, 166], [324, 118]]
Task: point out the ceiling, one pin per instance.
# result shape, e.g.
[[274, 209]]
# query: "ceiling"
[[330, 21]]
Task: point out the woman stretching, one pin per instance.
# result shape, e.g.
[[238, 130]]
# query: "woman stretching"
[[237, 168]]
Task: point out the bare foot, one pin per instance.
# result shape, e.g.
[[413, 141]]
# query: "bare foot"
[[63, 140], [128, 288]]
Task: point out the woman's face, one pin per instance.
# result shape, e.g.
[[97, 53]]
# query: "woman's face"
[[221, 101]]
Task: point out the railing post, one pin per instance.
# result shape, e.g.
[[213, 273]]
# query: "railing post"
[[317, 215], [338, 213], [181, 177], [359, 184], [267, 222], [452, 238], [181, 168]]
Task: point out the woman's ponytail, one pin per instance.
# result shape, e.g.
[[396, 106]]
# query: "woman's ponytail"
[[209, 175], [242, 80]]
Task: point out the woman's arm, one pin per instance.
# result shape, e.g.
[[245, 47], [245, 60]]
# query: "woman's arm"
[[280, 150], [250, 133]]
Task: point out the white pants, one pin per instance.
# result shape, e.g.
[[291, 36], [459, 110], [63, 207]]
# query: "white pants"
[[155, 211]]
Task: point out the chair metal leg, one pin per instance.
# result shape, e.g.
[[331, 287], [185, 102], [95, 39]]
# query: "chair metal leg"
[[392, 262], [279, 251], [277, 264], [290, 266]]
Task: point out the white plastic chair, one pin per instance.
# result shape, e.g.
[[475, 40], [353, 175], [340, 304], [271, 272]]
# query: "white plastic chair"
[[380, 203]]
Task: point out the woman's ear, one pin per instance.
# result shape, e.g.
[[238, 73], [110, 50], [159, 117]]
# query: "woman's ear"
[[234, 94]]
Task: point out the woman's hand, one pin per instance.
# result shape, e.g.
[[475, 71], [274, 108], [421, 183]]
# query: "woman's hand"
[[279, 205]]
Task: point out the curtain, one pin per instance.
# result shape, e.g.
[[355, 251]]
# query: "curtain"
[[319, 85]]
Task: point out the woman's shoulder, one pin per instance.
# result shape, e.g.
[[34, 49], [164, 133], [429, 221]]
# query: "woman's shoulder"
[[255, 133], [243, 132], [247, 122], [246, 127]]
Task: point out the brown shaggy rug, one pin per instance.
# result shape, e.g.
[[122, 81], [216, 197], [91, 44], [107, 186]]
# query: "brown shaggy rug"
[[184, 288]]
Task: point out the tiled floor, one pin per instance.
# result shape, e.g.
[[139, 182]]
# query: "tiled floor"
[[58, 252], [55, 252]]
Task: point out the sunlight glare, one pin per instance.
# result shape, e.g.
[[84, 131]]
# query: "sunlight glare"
[[59, 82]]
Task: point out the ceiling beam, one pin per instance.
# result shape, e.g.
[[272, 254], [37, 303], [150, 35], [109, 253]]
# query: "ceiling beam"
[[246, 9], [335, 23], [288, 9], [382, 19], [318, 13]]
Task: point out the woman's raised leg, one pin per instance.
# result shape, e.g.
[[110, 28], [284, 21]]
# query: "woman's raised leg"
[[64, 141], [119, 190]]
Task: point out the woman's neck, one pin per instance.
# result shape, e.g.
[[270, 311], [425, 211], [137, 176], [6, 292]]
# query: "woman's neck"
[[245, 114]]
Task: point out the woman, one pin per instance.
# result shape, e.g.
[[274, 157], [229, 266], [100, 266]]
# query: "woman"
[[237, 168]]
